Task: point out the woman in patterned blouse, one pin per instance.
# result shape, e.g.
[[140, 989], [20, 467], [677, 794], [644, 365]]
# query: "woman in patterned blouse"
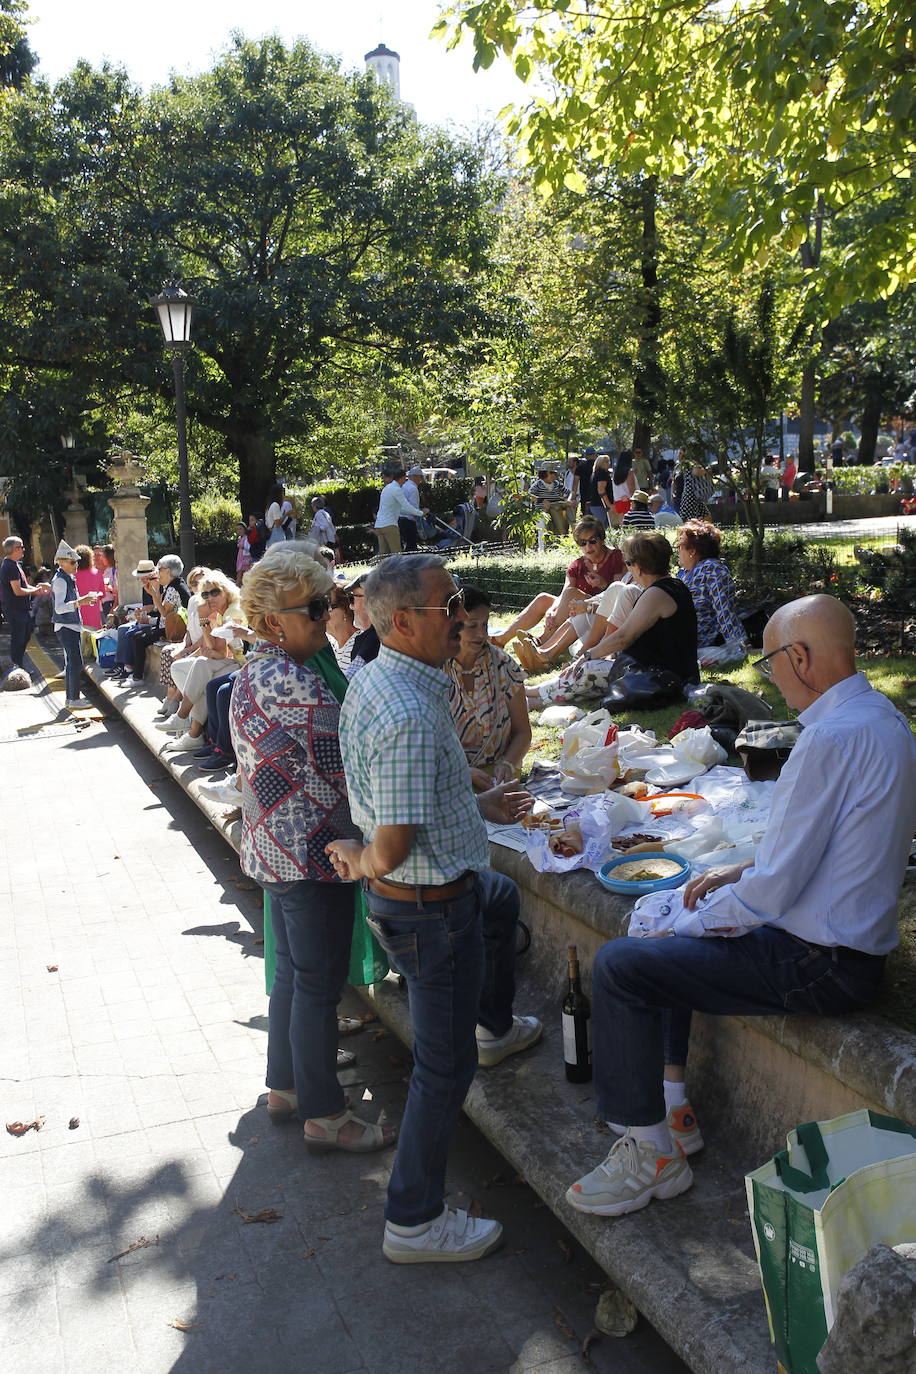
[[283, 718], [487, 700], [710, 583]]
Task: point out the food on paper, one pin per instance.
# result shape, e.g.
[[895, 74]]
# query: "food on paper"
[[625, 842], [567, 842], [636, 789]]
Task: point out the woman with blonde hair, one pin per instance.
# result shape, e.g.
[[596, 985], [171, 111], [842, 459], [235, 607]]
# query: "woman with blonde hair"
[[221, 649], [283, 719], [172, 653]]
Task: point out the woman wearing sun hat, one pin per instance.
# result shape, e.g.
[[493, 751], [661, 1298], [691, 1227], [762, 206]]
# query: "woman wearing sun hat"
[[66, 620]]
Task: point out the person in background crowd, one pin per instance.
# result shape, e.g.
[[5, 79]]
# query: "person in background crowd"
[[290, 515], [105, 562], [447, 923], [584, 469], [487, 700], [639, 516], [243, 558], [321, 530], [696, 489], [168, 593], [709, 582], [663, 512], [16, 593], [392, 506], [89, 579], [596, 568], [805, 926], [256, 544], [408, 526], [275, 515], [42, 603], [284, 717], [642, 471], [67, 624], [600, 502], [549, 496], [365, 645], [623, 484], [342, 631], [789, 474], [771, 478]]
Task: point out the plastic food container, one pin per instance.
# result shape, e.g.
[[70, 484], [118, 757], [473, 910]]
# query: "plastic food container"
[[639, 889]]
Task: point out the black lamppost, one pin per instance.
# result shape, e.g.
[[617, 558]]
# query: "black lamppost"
[[174, 309]]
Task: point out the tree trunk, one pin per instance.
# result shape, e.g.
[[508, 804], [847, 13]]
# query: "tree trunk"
[[806, 418], [871, 419], [647, 379], [257, 468]]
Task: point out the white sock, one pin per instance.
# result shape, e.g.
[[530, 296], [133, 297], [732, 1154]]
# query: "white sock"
[[657, 1135], [675, 1094]]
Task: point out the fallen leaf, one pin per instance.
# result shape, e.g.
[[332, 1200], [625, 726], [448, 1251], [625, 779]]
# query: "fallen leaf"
[[74, 1123], [379, 1035], [181, 1325], [593, 1335], [140, 1244], [267, 1214], [308, 1254], [476, 1208], [563, 1325], [52, 968], [253, 1139], [566, 1250], [224, 1276], [21, 1127], [247, 887]]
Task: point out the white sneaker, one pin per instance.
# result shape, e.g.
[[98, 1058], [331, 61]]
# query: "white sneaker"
[[524, 1032], [451, 1238], [172, 724], [136, 682], [184, 743], [224, 794], [164, 710], [631, 1176], [77, 704]]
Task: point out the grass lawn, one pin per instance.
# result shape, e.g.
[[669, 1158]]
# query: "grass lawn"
[[888, 675]]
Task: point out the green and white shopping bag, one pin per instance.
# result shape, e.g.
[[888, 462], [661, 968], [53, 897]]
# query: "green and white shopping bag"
[[816, 1208]]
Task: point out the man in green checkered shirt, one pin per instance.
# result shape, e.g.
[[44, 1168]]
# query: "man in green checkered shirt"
[[446, 921]]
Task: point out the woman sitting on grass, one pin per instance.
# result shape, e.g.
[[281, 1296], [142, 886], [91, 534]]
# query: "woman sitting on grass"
[[487, 700], [595, 569], [659, 632]]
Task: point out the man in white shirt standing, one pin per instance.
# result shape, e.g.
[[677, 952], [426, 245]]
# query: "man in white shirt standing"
[[804, 927], [408, 526], [392, 506]]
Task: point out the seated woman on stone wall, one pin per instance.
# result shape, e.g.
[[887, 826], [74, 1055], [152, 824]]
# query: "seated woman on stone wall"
[[172, 653], [595, 569], [222, 648], [487, 700]]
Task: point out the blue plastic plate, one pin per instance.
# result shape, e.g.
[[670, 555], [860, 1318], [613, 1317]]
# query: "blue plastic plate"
[[606, 874]]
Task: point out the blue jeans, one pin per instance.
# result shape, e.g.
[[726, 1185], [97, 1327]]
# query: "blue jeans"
[[643, 993], [124, 649], [70, 642], [600, 513], [458, 958], [219, 696], [312, 926], [20, 634]]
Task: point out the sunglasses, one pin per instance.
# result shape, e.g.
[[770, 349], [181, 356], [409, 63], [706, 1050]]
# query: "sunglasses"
[[316, 609], [454, 604], [584, 543], [213, 591]]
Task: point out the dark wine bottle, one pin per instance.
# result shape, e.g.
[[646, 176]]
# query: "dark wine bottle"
[[577, 1025]]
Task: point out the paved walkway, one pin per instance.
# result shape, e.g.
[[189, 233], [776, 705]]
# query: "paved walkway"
[[134, 1023]]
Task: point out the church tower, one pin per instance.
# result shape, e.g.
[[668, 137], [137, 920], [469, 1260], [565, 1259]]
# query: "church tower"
[[387, 68]]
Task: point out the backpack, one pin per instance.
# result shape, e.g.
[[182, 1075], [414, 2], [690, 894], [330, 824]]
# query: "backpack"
[[262, 531]]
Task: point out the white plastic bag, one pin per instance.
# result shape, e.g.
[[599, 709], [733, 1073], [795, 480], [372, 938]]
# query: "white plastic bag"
[[698, 746], [636, 749], [588, 764], [732, 651]]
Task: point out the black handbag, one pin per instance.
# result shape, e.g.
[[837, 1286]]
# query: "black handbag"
[[634, 686]]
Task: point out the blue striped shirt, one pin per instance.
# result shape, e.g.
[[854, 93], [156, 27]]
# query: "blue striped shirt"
[[405, 766]]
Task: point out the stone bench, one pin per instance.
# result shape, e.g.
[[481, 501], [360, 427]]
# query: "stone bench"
[[688, 1264]]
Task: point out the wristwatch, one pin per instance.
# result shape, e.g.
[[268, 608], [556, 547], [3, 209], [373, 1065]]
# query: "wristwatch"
[[587, 655]]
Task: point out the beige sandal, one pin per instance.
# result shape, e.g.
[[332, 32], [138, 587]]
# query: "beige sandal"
[[372, 1138]]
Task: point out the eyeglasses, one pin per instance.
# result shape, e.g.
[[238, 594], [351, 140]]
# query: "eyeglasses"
[[630, 562], [316, 609], [584, 543], [454, 604], [213, 591], [762, 665]]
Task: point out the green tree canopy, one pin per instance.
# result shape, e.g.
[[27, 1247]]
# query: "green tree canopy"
[[774, 109]]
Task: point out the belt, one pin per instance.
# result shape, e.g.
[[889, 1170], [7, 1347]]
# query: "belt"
[[407, 892], [837, 952]]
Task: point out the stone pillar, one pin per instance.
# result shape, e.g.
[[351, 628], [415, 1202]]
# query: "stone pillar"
[[128, 531], [76, 528]]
